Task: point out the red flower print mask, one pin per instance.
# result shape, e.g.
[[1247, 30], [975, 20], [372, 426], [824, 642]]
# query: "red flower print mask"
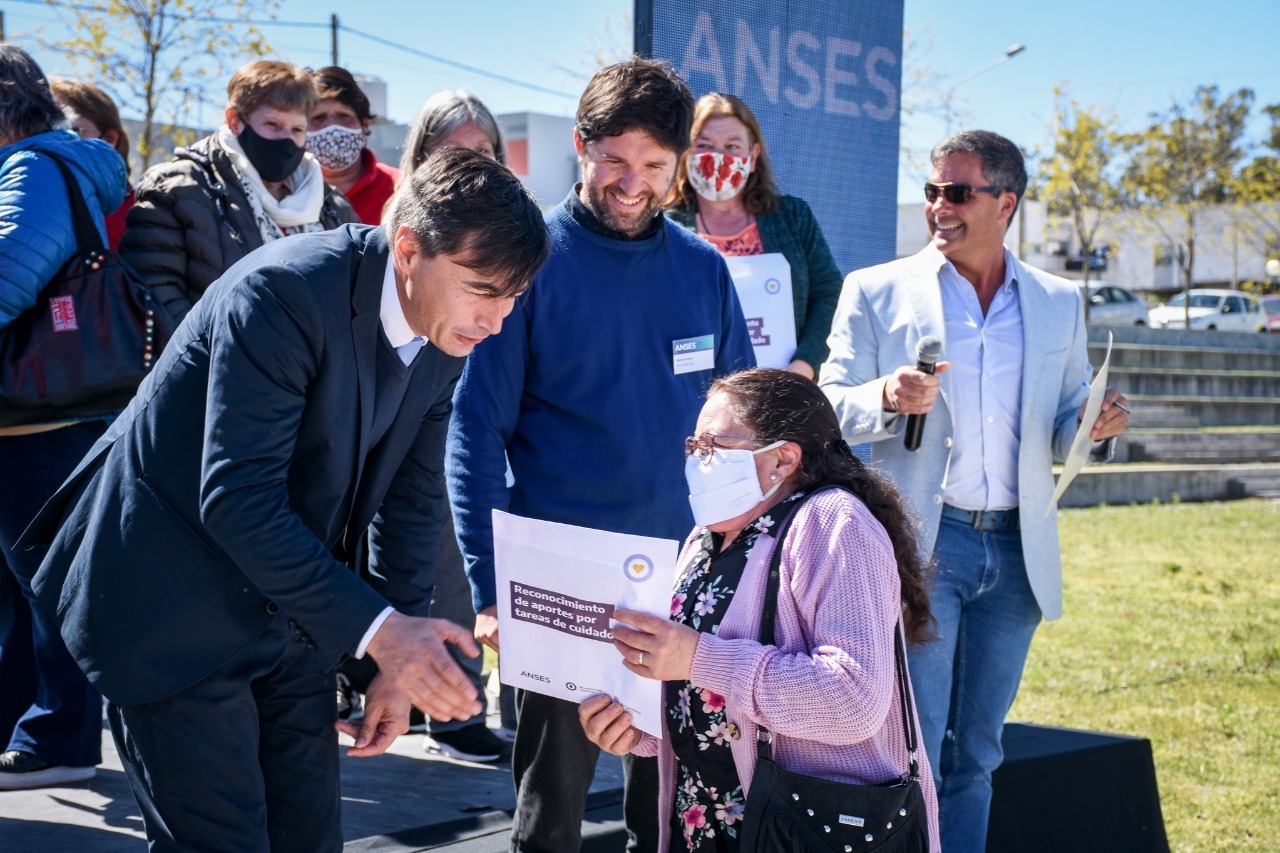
[[718, 177]]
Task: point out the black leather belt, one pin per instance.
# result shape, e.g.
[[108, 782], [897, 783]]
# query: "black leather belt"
[[991, 519]]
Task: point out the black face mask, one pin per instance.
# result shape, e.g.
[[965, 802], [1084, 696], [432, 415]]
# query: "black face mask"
[[275, 159]]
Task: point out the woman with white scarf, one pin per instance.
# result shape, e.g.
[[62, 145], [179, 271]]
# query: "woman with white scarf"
[[248, 183]]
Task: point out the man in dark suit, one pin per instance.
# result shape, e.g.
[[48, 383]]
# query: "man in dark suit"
[[200, 557]]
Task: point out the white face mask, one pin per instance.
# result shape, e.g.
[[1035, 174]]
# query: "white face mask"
[[718, 177], [336, 147], [725, 484]]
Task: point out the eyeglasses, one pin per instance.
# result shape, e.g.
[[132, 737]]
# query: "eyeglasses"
[[704, 445], [955, 193]]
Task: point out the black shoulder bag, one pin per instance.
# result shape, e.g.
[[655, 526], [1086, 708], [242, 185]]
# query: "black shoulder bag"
[[792, 813], [91, 337]]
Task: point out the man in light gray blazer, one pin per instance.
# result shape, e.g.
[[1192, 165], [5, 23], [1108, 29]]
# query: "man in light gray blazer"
[[1003, 407]]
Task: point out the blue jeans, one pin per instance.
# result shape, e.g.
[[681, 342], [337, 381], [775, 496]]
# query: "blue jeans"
[[966, 680], [62, 722]]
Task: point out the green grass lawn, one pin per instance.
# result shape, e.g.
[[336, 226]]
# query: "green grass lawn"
[[1172, 632]]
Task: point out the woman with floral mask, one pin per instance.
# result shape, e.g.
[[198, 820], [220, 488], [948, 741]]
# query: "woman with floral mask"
[[248, 183], [766, 447], [726, 191], [336, 137]]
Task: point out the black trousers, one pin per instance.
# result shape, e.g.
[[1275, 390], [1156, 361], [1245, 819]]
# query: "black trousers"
[[554, 763], [245, 760]]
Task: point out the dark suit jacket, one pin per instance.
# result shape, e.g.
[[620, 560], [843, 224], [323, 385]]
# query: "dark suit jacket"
[[238, 481]]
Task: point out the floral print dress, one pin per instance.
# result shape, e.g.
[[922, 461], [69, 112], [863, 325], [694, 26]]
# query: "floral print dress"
[[709, 797]]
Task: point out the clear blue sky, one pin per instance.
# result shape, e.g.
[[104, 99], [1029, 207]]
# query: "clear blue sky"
[[1135, 55]]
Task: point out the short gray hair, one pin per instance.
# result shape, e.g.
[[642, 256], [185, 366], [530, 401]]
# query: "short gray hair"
[[441, 115], [1002, 161], [27, 106]]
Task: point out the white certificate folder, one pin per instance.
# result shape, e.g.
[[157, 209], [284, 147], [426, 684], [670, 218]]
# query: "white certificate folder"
[[557, 586]]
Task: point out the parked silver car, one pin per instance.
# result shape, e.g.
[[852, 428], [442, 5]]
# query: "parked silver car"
[[1114, 305], [1224, 310]]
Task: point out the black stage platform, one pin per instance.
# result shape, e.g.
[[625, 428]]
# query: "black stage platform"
[[1059, 790]]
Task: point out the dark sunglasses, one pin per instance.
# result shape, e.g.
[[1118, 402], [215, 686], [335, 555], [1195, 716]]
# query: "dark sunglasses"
[[955, 193]]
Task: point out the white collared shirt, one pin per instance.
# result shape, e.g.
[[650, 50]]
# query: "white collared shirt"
[[396, 327], [986, 388], [394, 324]]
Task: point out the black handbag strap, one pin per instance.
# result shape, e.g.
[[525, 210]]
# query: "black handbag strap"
[[88, 238], [768, 620]]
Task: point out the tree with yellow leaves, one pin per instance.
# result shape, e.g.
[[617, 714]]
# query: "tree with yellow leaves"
[[1082, 173], [158, 57], [1184, 163]]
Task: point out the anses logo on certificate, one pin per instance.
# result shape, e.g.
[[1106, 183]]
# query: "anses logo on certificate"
[[638, 568]]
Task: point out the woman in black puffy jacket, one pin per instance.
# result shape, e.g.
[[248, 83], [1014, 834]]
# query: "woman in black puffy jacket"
[[248, 183]]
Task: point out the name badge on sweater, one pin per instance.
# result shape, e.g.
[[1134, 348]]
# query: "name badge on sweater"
[[690, 354]]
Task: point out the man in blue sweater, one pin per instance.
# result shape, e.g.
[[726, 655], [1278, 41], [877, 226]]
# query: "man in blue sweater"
[[590, 391]]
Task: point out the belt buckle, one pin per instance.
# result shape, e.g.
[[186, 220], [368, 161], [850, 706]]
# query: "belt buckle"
[[979, 522]]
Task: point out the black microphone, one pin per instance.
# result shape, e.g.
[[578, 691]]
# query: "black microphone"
[[927, 353]]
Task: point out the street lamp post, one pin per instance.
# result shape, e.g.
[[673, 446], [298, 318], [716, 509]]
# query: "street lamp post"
[[1010, 52]]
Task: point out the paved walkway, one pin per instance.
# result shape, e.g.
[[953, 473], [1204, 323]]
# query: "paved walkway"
[[402, 801]]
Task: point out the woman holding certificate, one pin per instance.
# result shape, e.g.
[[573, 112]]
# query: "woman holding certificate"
[[783, 656], [726, 191]]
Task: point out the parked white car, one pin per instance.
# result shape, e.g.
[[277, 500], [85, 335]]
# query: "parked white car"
[[1224, 310], [1270, 306], [1114, 305]]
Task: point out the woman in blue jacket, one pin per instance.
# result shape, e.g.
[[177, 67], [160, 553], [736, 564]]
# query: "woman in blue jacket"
[[50, 718]]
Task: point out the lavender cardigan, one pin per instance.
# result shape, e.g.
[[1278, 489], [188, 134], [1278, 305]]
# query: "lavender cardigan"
[[826, 689]]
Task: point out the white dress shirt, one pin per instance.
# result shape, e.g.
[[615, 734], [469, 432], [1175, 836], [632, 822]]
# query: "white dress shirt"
[[986, 385]]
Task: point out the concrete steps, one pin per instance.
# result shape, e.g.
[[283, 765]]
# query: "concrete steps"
[[1163, 382], [1140, 482], [1152, 357], [1206, 410], [1152, 415], [1259, 483], [1212, 411], [1195, 446]]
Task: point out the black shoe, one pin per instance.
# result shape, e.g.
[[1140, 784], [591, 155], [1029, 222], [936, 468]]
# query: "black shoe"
[[20, 771], [472, 743]]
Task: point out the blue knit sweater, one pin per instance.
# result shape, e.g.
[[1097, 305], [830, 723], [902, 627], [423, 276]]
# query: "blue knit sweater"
[[580, 392], [36, 233]]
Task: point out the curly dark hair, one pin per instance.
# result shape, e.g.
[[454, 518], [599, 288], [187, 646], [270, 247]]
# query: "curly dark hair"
[[638, 94], [778, 405]]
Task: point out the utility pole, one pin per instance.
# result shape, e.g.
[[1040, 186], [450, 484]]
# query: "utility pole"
[[333, 37]]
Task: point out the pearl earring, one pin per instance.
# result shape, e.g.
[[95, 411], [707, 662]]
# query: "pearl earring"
[[773, 476]]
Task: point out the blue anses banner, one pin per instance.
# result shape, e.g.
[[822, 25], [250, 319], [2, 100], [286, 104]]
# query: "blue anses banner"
[[824, 79]]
